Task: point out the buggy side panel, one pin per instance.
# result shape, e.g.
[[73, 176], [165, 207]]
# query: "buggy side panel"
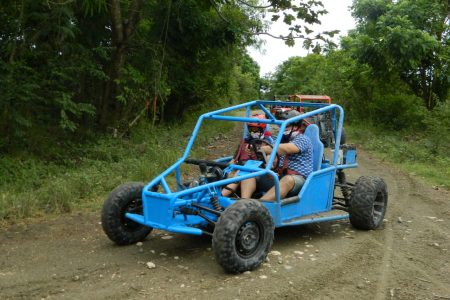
[[315, 196]]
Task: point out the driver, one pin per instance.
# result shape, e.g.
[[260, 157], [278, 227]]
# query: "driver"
[[245, 151], [296, 163], [256, 132]]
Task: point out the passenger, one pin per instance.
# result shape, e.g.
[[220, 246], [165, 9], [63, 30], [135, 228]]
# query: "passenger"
[[296, 163]]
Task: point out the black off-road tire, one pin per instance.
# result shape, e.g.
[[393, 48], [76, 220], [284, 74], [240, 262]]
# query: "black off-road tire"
[[126, 198], [343, 136], [243, 236], [368, 203]]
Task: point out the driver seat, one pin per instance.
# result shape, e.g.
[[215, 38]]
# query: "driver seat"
[[312, 132]]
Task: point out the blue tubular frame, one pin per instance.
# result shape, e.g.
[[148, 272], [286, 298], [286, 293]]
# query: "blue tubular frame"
[[161, 210]]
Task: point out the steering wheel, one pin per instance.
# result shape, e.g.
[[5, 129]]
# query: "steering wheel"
[[209, 163], [211, 170]]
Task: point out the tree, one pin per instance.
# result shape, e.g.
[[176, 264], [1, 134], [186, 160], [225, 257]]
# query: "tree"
[[297, 14], [301, 75], [409, 38], [76, 67], [38, 56]]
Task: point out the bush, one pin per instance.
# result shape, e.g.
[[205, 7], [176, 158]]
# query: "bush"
[[410, 150], [438, 129], [398, 112]]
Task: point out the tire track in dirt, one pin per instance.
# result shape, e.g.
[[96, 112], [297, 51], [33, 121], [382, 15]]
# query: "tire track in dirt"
[[386, 251], [406, 246], [388, 235], [423, 241]]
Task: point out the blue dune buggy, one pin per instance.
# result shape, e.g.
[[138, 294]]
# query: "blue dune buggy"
[[242, 230]]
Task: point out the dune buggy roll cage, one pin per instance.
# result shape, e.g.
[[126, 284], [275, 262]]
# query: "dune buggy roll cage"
[[218, 115], [160, 207]]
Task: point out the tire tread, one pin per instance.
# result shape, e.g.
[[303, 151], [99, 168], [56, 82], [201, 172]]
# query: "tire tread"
[[225, 233], [110, 217], [364, 195]]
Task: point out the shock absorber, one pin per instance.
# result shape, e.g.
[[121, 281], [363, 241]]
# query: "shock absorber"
[[215, 203], [343, 184]]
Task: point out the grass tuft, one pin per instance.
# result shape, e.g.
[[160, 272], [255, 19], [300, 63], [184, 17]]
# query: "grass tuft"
[[413, 152]]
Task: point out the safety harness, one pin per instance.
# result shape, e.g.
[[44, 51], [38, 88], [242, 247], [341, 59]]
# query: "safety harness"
[[284, 170]]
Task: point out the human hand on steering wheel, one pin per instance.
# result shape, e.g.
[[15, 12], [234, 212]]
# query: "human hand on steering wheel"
[[262, 153]]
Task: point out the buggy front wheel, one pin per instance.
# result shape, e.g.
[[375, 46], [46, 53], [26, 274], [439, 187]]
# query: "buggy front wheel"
[[243, 236], [126, 198]]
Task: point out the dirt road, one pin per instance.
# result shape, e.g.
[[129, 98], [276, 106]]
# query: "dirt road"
[[409, 258]]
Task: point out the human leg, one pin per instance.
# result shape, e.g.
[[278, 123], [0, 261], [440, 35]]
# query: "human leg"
[[248, 187], [286, 184], [289, 185], [298, 184], [232, 187]]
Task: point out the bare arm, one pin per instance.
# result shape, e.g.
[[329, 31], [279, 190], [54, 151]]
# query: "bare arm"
[[287, 148]]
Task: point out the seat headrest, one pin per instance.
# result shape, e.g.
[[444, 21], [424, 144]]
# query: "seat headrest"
[[312, 132]]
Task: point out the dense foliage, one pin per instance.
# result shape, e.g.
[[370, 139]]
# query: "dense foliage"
[[77, 66], [392, 70], [408, 39], [71, 69]]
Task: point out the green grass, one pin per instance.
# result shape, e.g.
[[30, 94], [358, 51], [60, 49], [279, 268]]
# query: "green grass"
[[30, 186], [412, 152]]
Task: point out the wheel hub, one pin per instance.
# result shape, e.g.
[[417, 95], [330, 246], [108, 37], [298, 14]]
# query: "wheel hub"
[[378, 208], [134, 206], [248, 238]]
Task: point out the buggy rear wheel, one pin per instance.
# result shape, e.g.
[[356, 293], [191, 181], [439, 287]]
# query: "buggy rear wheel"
[[368, 203], [243, 236], [343, 136], [126, 198]]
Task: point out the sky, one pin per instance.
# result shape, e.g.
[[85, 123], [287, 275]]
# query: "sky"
[[275, 51]]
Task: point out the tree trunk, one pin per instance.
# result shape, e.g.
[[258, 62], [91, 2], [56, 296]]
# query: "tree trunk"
[[424, 86], [108, 103], [122, 31], [7, 109]]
